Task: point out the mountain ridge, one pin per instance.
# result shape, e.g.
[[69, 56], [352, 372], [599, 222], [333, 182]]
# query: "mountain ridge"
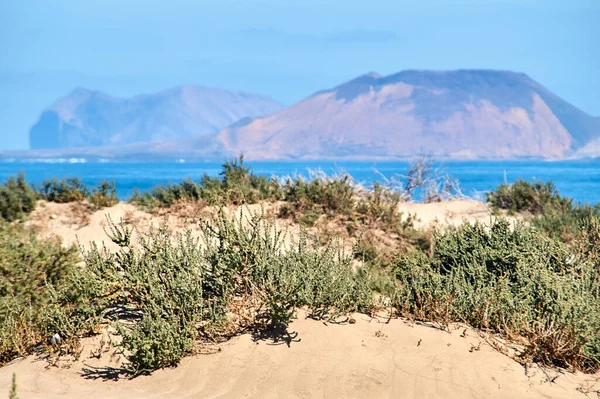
[[455, 114], [90, 118]]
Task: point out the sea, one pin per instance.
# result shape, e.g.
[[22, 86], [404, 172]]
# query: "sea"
[[579, 180]]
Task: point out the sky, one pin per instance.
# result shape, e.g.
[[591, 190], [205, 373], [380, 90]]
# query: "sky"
[[285, 49]]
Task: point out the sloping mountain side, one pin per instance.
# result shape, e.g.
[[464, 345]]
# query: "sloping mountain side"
[[464, 114], [87, 118]]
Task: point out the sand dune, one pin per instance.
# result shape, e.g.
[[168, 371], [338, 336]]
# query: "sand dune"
[[367, 359]]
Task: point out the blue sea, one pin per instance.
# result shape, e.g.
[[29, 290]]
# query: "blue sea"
[[579, 180]]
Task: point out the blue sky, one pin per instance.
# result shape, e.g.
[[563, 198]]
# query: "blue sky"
[[286, 49]]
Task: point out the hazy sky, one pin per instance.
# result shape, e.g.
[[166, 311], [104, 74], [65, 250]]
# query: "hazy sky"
[[286, 49]]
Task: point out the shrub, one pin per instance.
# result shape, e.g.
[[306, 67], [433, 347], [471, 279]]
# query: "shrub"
[[517, 282], [17, 199], [365, 251], [73, 190], [381, 205], [554, 215], [104, 195], [566, 225], [522, 196], [174, 292], [235, 185], [63, 191], [144, 200], [36, 291], [330, 195]]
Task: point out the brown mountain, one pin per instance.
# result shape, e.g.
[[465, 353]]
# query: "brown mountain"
[[448, 114]]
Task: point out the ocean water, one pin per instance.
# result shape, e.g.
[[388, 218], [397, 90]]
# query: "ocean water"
[[579, 180]]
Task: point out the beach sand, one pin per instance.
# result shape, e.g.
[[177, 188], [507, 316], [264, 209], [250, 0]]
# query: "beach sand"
[[367, 359]]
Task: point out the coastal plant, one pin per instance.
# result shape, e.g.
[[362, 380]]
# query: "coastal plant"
[[307, 200], [13, 388], [64, 190], [235, 185], [566, 225], [533, 197], [37, 291], [241, 185], [170, 293], [549, 212], [515, 281], [17, 198], [104, 195]]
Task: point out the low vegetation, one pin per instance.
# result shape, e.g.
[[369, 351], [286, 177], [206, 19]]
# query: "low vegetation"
[[17, 199], [167, 295], [73, 190], [235, 185], [550, 212], [37, 291], [535, 197], [517, 282]]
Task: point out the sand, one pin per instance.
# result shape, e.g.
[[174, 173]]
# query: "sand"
[[76, 226], [367, 359]]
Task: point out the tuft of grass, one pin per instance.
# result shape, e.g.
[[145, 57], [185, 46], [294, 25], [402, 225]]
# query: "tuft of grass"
[[13, 388]]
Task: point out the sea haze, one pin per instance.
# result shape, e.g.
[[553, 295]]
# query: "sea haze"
[[579, 180]]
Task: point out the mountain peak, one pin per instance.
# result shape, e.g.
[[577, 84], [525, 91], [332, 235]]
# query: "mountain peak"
[[465, 113]]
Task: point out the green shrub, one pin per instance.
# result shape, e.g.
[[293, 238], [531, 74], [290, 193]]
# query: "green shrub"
[[63, 191], [144, 200], [235, 185], [104, 195], [517, 282], [566, 225], [172, 292], [381, 205], [554, 215], [330, 195], [521, 196], [365, 251], [73, 190], [17, 199], [38, 279]]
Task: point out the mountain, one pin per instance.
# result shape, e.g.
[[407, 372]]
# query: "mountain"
[[463, 114], [86, 118]]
